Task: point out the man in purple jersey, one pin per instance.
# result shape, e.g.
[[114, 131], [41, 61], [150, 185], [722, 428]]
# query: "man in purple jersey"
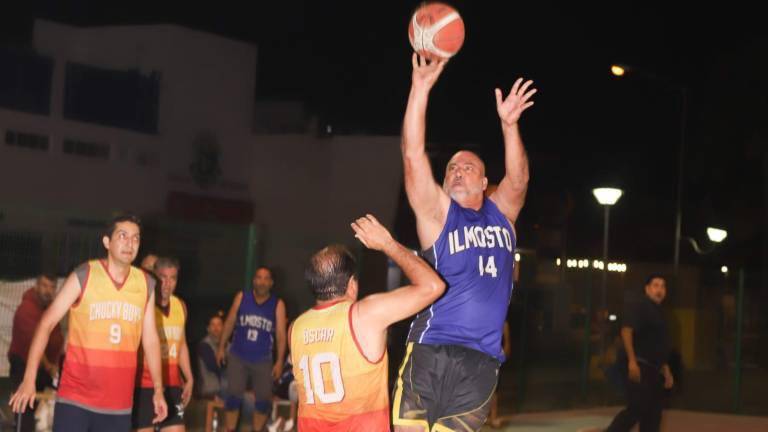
[[258, 319], [454, 347]]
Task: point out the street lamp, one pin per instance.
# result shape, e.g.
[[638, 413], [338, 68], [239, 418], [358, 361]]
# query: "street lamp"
[[606, 197], [619, 71], [716, 235]]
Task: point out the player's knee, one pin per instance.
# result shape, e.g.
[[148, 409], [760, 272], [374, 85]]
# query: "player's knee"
[[263, 407]]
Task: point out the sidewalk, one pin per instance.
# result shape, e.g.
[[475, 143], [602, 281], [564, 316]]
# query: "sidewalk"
[[673, 421]]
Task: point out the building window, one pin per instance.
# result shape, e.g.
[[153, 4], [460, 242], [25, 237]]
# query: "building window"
[[26, 140], [125, 99], [25, 81], [86, 149]]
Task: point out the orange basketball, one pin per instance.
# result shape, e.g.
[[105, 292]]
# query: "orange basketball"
[[436, 30]]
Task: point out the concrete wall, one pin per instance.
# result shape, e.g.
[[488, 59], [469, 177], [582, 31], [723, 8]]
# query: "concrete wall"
[[308, 190]]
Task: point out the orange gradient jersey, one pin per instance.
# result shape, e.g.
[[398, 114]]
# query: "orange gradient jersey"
[[103, 339], [339, 389], [170, 328]]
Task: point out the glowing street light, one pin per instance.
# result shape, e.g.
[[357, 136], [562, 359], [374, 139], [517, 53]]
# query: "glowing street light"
[[607, 196], [716, 235]]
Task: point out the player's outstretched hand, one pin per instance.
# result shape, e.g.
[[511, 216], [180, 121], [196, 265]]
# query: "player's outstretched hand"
[[372, 233], [516, 102], [425, 72]]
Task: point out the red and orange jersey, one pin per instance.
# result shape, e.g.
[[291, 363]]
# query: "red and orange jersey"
[[170, 328], [104, 336], [339, 389]]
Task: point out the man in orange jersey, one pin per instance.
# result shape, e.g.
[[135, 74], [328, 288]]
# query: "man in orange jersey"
[[109, 318], [338, 347], [171, 318]]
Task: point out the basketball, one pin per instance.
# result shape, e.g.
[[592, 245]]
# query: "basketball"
[[436, 31]]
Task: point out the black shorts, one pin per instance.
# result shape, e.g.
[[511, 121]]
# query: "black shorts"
[[144, 408], [72, 418], [448, 387]]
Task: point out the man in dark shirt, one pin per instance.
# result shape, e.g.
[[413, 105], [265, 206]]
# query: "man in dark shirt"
[[34, 302], [210, 372], [213, 381], [646, 343]]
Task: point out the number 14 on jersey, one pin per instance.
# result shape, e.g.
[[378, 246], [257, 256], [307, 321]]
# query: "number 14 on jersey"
[[487, 266]]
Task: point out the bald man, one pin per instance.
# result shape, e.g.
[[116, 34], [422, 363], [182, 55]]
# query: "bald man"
[[454, 346]]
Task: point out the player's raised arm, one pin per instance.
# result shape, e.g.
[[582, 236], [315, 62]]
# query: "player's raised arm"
[[510, 195], [429, 202], [381, 310]]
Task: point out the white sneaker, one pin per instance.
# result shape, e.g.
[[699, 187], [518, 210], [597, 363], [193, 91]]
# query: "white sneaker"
[[275, 425], [288, 426]]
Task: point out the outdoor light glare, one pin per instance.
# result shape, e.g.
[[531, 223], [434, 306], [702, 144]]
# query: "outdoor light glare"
[[724, 269], [607, 196], [611, 317], [716, 234], [617, 70], [596, 264], [517, 257], [617, 267]]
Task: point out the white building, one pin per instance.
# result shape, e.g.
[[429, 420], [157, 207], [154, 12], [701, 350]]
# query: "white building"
[[162, 120]]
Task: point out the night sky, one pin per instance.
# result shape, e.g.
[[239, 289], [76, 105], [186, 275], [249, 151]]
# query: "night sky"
[[350, 62]]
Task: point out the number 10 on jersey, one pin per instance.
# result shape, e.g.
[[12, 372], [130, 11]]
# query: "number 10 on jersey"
[[312, 373], [487, 266]]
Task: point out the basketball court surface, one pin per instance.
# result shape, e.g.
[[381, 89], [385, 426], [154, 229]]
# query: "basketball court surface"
[[597, 419]]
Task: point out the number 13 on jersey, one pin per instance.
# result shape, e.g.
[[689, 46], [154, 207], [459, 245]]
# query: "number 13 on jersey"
[[312, 374], [487, 266]]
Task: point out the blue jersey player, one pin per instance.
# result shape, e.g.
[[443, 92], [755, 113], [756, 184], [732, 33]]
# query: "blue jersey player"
[[258, 319], [454, 347]]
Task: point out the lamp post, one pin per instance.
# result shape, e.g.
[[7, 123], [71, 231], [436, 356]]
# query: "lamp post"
[[607, 197], [622, 70]]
